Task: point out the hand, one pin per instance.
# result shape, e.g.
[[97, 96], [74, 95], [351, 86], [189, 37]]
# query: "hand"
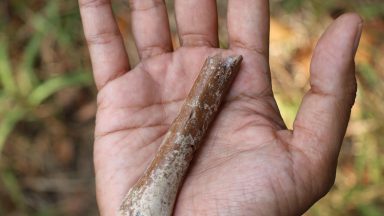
[[250, 164]]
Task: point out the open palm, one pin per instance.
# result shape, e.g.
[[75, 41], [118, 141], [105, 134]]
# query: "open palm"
[[249, 164]]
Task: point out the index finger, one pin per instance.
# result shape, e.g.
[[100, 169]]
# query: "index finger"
[[106, 45]]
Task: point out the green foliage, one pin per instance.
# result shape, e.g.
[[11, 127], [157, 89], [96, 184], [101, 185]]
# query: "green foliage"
[[12, 185], [369, 210], [369, 9], [53, 85], [372, 10], [6, 77], [21, 89], [291, 5]]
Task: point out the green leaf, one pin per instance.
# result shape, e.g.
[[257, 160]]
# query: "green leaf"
[[12, 186], [4, 101], [8, 123], [292, 5], [28, 78], [372, 10], [42, 21], [370, 210], [6, 76], [55, 84], [369, 74]]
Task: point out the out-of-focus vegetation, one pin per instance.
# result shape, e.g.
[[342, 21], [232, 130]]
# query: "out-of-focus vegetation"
[[47, 102], [46, 110]]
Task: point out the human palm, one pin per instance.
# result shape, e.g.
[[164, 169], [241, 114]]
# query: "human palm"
[[249, 163]]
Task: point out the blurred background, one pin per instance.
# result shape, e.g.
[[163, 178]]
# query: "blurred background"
[[47, 102]]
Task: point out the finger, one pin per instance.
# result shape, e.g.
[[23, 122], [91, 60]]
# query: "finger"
[[321, 123], [150, 27], [197, 22], [106, 46], [248, 25]]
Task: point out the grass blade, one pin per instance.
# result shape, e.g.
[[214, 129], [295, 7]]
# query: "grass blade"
[[12, 186], [6, 77], [8, 123], [28, 79], [54, 85]]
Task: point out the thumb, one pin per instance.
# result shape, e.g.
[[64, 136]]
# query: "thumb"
[[323, 116]]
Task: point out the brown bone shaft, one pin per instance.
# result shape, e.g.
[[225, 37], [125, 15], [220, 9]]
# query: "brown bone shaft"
[[155, 192]]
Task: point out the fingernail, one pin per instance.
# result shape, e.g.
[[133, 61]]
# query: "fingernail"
[[357, 37]]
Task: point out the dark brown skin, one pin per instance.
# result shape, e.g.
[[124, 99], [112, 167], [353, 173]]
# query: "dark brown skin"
[[249, 163]]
